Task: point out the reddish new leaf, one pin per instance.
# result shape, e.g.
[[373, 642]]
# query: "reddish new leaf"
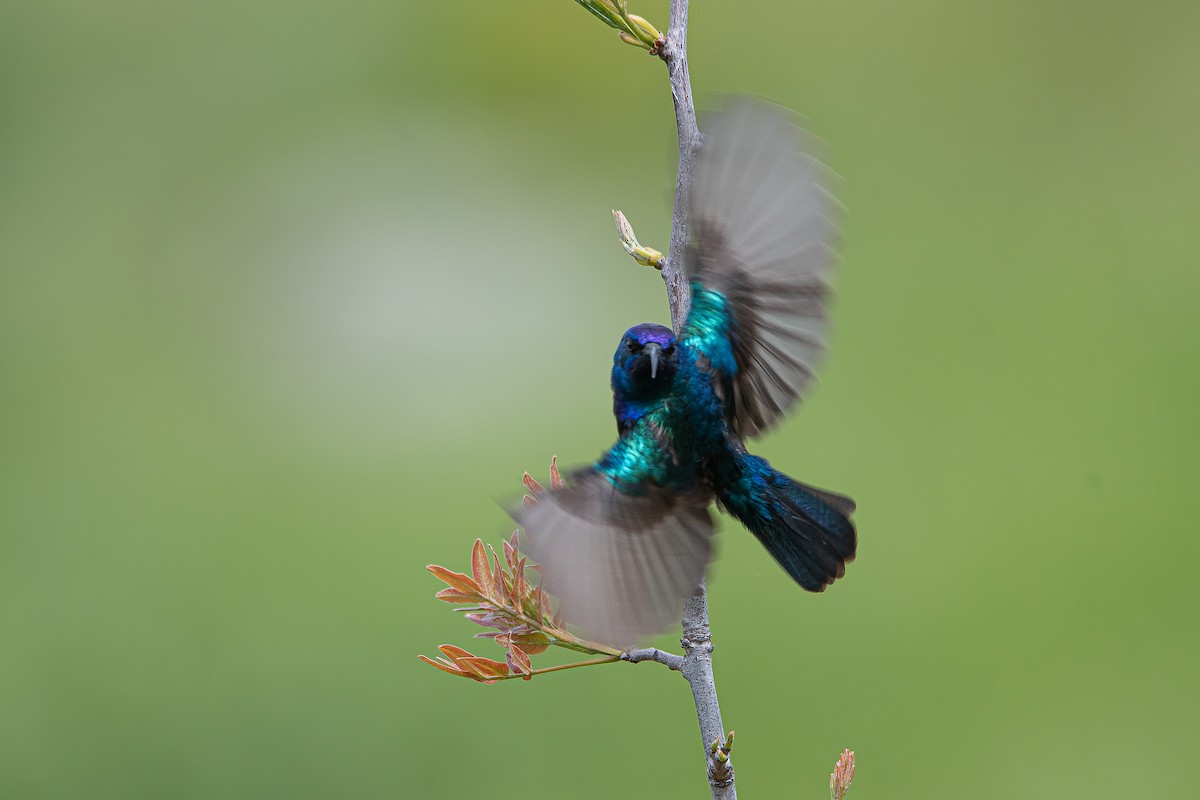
[[545, 603], [454, 653], [479, 569], [486, 667], [510, 554], [531, 642], [455, 596], [556, 479], [533, 486], [445, 667], [456, 580], [502, 581], [520, 585], [519, 663], [540, 602]]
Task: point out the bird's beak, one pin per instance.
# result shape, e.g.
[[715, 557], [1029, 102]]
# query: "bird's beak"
[[654, 350]]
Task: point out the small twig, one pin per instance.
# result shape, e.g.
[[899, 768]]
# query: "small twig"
[[561, 667], [669, 660]]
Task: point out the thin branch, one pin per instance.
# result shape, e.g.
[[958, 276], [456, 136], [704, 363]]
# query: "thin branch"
[[669, 660], [697, 644], [561, 667], [674, 53], [697, 670]]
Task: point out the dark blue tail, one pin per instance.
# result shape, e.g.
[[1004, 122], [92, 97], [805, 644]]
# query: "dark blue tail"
[[807, 530]]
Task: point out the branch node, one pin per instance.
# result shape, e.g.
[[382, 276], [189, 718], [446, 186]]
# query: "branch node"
[[720, 769], [697, 639]]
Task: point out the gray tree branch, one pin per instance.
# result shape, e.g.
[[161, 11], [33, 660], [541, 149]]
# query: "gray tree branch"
[[697, 644], [674, 53], [669, 660]]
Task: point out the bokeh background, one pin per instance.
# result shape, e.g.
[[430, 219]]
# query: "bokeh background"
[[292, 292]]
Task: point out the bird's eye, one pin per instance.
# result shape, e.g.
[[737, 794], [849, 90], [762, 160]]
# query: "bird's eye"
[[632, 346], [669, 350]]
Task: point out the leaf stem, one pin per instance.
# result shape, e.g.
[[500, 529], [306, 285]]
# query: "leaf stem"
[[560, 667], [544, 670], [591, 648]]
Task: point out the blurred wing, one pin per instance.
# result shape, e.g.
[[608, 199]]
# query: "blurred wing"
[[762, 236], [620, 566]]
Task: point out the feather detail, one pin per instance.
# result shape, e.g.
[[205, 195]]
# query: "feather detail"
[[807, 530], [620, 565], [762, 238]]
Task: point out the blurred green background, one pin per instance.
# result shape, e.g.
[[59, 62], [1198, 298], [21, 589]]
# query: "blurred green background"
[[291, 292]]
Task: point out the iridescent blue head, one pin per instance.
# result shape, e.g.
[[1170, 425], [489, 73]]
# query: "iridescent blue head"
[[643, 371]]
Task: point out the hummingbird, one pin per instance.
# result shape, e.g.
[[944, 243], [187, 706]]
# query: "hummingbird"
[[628, 538]]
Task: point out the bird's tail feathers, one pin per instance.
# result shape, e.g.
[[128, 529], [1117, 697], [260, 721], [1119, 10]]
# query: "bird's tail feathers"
[[807, 530]]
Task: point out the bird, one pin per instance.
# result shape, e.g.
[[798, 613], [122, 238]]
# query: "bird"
[[628, 538]]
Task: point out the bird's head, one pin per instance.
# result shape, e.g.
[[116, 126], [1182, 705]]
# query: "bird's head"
[[644, 364]]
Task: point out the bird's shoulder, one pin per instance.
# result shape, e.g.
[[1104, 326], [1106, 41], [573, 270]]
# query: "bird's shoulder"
[[710, 330], [646, 452]]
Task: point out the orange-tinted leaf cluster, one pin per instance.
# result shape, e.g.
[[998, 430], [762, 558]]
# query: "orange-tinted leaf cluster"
[[535, 488], [460, 662], [497, 594]]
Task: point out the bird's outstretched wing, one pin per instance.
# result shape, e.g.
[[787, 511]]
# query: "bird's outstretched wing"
[[620, 565], [761, 247]]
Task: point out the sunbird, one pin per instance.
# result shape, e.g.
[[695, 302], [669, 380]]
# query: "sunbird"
[[628, 538]]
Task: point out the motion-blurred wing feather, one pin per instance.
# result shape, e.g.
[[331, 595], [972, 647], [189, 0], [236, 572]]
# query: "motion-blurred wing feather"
[[620, 565], [762, 237]]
